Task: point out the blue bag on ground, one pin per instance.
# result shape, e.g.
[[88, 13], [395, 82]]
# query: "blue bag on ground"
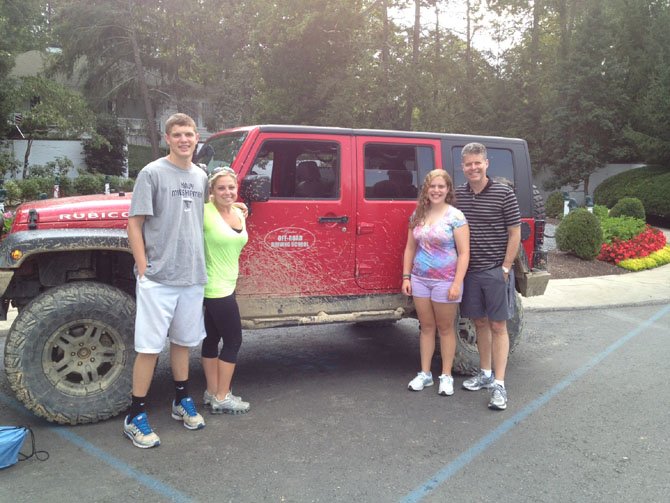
[[11, 440]]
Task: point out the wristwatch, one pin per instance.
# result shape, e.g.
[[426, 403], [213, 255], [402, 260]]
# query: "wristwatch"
[[505, 270]]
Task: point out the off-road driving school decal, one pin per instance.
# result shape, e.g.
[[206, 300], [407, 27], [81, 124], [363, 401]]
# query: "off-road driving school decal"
[[289, 239]]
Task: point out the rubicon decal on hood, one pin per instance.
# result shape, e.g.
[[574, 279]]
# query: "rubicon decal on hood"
[[93, 215], [289, 239]]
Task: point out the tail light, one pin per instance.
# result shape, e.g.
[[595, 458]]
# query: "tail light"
[[539, 234]]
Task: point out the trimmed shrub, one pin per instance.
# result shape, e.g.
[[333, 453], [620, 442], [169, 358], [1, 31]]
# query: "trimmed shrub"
[[120, 184], [66, 187], [29, 188], [650, 184], [601, 212], [628, 206], [554, 205], [580, 234], [13, 193], [60, 167], [89, 184], [622, 228]]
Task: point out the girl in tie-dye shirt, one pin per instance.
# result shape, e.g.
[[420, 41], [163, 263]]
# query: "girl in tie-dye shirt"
[[436, 256], [434, 265]]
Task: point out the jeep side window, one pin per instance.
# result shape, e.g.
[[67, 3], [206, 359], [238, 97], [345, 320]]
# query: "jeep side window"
[[300, 169], [501, 165], [393, 171]]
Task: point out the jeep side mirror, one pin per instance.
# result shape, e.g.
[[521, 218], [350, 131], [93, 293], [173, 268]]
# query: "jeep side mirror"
[[204, 155], [255, 188]]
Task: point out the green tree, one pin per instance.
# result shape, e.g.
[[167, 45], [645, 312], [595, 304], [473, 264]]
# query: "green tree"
[[22, 27], [591, 103], [109, 158], [645, 47], [112, 43], [51, 110]]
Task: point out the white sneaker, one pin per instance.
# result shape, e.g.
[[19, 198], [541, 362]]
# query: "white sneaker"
[[231, 404], [185, 411], [422, 380], [446, 385], [207, 397], [139, 431], [498, 397]]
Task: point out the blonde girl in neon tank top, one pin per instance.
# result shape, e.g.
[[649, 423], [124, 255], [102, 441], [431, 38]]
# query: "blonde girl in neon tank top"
[[225, 236]]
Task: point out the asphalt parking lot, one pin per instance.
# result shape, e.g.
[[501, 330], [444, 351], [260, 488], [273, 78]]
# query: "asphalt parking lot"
[[331, 420]]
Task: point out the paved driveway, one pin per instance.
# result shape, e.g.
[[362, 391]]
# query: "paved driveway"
[[332, 420]]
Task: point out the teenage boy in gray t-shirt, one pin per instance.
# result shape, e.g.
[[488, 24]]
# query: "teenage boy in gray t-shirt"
[[165, 236]]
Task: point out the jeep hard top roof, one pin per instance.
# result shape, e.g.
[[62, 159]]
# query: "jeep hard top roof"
[[301, 129]]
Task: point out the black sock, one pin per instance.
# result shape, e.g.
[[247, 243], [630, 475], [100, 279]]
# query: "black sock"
[[136, 406], [180, 390]]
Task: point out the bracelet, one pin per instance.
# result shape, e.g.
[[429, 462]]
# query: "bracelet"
[[406, 276]]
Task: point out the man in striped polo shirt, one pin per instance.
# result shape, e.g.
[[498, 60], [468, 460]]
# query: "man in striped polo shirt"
[[492, 211]]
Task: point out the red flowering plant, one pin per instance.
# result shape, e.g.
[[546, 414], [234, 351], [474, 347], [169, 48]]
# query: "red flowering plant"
[[648, 241]]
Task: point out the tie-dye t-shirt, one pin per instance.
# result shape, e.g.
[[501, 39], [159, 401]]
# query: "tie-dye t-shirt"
[[436, 255]]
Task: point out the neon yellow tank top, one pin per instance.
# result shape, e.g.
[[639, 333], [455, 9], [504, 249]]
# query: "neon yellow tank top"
[[223, 246]]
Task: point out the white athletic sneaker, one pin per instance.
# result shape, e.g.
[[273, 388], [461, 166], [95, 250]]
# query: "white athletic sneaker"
[[231, 404], [446, 385], [422, 380], [185, 411], [207, 397], [139, 431]]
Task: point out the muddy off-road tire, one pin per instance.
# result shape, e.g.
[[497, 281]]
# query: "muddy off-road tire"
[[467, 356], [68, 354]]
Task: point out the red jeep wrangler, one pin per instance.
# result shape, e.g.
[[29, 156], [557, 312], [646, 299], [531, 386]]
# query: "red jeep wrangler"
[[329, 209]]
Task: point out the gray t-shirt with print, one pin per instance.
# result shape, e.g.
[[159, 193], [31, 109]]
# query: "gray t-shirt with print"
[[172, 200]]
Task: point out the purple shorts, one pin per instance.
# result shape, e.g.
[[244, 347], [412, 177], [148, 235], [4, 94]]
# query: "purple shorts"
[[436, 290]]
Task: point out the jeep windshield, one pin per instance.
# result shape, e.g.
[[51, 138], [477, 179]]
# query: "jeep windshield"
[[220, 150]]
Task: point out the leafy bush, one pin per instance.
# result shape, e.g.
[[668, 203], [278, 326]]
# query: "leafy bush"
[[621, 228], [554, 205], [628, 206], [120, 184], [89, 184], [30, 189], [601, 212], [60, 167], [579, 233], [13, 195], [66, 187], [650, 184]]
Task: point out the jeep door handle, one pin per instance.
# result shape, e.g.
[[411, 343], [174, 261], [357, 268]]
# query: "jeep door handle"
[[334, 220]]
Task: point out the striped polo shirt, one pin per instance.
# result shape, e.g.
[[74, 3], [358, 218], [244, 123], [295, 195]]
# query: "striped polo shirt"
[[489, 214]]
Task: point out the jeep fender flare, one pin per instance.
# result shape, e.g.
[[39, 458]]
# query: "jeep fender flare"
[[35, 242]]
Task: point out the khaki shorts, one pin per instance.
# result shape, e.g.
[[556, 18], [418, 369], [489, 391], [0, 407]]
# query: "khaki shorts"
[[164, 310]]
